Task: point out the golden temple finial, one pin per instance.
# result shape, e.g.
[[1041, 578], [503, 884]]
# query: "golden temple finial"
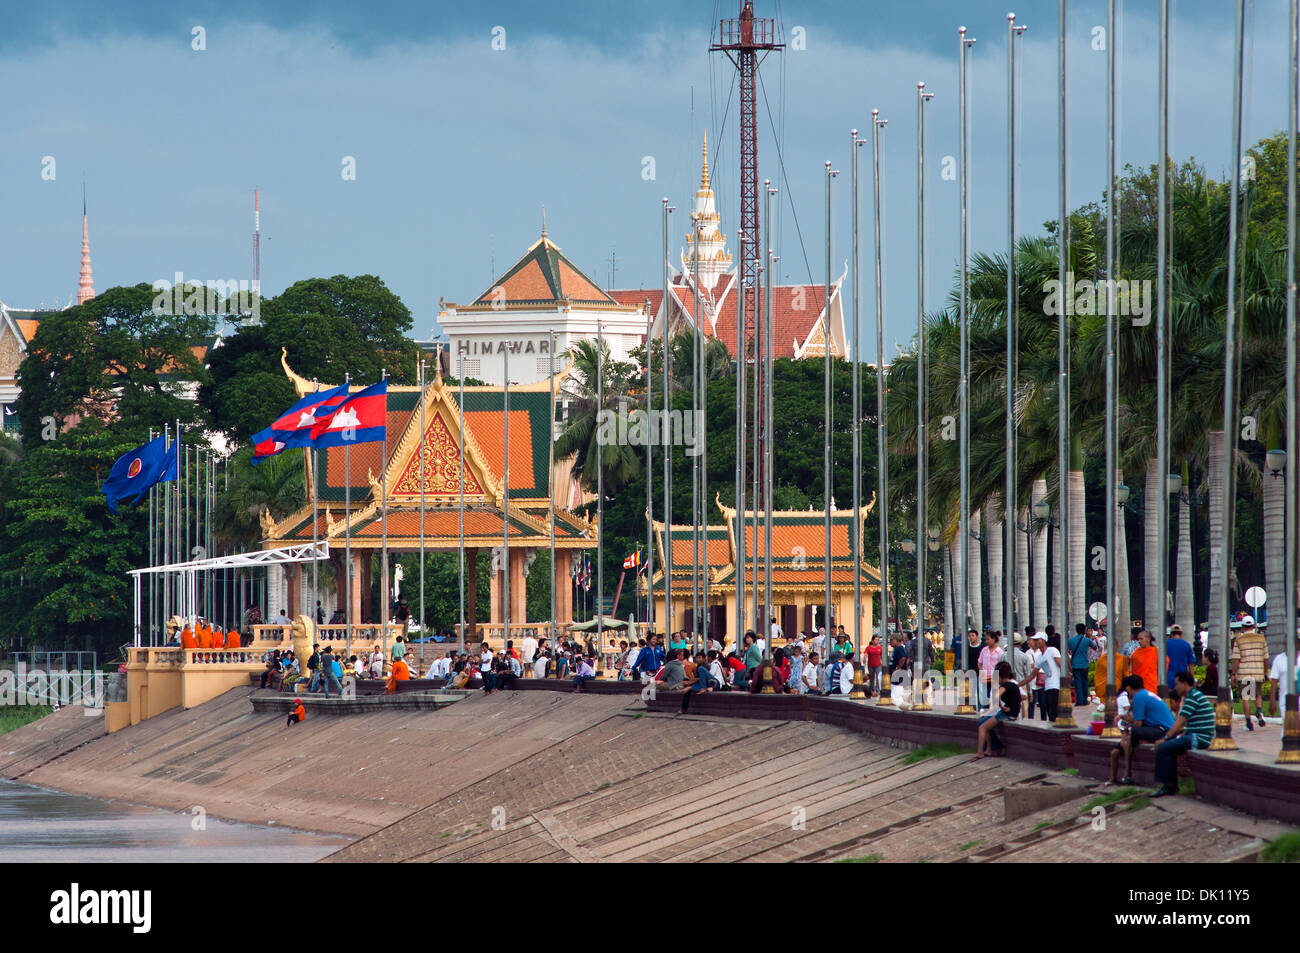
[[704, 172], [301, 384]]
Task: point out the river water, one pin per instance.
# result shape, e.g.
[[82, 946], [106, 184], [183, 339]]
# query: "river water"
[[39, 825]]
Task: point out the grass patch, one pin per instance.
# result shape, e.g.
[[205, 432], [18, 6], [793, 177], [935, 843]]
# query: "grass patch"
[[1140, 803], [1282, 850], [1041, 825], [1186, 785], [869, 859], [1106, 799], [944, 750], [19, 715], [1072, 772], [969, 844], [603, 786]]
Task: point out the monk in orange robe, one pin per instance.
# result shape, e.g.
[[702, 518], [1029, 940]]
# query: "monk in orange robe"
[[232, 639], [1146, 661], [1099, 675], [401, 673], [188, 641]]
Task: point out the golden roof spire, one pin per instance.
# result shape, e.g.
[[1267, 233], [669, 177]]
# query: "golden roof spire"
[[704, 172]]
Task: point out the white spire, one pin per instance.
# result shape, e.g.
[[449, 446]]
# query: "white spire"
[[706, 245]]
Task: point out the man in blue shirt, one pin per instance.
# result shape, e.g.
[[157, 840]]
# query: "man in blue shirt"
[[1077, 648], [1149, 719], [1179, 655]]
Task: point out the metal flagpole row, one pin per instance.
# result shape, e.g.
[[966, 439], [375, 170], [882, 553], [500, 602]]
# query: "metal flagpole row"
[[695, 461], [767, 422], [1231, 355], [649, 469]]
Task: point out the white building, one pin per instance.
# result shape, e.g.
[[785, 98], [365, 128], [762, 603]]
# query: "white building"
[[540, 293]]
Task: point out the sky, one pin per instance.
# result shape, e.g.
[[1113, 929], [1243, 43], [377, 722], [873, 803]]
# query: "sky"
[[462, 121]]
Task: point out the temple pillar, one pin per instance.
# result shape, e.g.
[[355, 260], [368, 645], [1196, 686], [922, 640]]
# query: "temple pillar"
[[518, 585], [291, 589], [471, 597], [497, 587], [563, 587], [367, 607], [353, 611]]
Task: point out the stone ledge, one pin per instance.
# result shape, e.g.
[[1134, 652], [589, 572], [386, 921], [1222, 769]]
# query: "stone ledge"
[[282, 704]]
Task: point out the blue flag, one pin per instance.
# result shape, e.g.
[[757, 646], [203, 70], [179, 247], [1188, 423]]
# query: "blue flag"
[[136, 471]]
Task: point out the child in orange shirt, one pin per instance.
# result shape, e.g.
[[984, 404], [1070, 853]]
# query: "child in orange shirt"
[[298, 714]]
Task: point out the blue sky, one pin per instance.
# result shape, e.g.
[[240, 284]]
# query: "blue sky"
[[457, 146]]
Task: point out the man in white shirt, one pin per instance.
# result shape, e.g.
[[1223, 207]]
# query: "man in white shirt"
[[775, 631], [528, 649], [540, 666], [1049, 662], [818, 641], [810, 675], [282, 619], [1277, 674]]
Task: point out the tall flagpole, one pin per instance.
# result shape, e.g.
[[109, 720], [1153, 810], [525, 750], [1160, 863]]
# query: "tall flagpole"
[[1013, 332], [1064, 708], [505, 502], [383, 519], [550, 478], [740, 464], [1113, 626], [695, 461], [649, 470], [767, 421], [152, 552], [856, 632], [1231, 353], [1162, 356], [600, 480], [882, 449], [460, 542], [919, 702], [1290, 753], [826, 444], [961, 618], [424, 631], [347, 524], [665, 432]]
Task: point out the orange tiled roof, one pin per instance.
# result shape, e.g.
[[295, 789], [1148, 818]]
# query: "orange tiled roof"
[[490, 434]]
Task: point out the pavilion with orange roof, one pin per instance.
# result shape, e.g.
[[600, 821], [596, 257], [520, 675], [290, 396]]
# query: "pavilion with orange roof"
[[525, 509], [798, 571]]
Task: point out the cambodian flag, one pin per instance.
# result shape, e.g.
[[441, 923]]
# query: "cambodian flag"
[[361, 418], [293, 427], [133, 473]]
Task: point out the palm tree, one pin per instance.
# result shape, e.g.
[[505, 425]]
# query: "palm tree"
[[591, 423]]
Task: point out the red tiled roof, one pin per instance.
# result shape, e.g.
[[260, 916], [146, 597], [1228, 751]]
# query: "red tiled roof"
[[488, 429]]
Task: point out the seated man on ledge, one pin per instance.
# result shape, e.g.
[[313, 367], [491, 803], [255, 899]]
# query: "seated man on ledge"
[[401, 673], [584, 672], [1149, 719]]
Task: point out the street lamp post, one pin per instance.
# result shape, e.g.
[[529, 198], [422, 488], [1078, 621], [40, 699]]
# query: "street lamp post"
[[882, 458]]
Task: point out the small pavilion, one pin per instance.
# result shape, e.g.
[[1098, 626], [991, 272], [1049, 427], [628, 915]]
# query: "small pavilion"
[[536, 499], [798, 571]]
